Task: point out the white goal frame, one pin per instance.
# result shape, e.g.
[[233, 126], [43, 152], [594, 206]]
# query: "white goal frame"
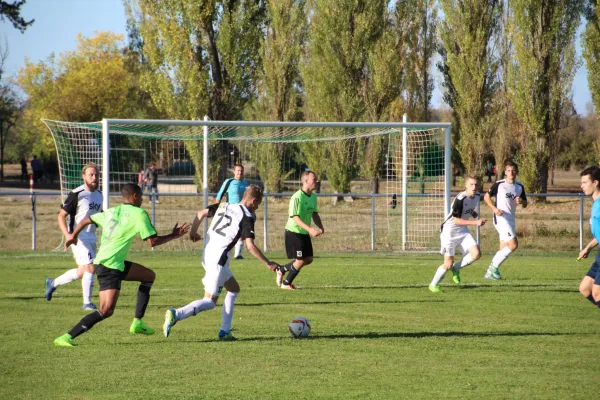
[[207, 124]]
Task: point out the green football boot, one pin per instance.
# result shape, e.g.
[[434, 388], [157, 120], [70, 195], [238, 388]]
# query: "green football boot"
[[138, 326], [455, 276], [64, 341], [434, 289]]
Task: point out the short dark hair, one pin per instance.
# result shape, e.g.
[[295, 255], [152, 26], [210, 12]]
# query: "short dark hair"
[[254, 192], [509, 163], [593, 172], [129, 189], [306, 173]]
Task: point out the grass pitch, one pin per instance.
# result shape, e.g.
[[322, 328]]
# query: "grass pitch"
[[377, 333]]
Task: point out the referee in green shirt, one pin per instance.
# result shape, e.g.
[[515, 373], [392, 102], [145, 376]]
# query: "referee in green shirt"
[[298, 246], [120, 225]]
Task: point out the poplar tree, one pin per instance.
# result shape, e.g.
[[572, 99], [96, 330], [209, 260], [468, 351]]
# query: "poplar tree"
[[468, 32], [540, 79]]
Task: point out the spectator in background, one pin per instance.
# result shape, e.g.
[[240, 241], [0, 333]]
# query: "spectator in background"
[[36, 167], [140, 179], [489, 170], [151, 179], [51, 169], [24, 175]]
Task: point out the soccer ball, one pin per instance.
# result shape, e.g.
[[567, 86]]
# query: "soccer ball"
[[299, 327]]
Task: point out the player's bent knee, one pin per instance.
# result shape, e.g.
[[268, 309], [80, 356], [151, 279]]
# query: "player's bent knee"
[[584, 289], [107, 312], [476, 254]]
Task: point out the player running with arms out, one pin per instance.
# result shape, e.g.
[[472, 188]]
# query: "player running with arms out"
[[82, 202], [590, 285], [455, 234], [508, 193], [231, 223], [298, 246], [120, 225], [234, 189]]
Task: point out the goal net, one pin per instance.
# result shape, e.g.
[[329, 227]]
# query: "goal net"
[[383, 186]]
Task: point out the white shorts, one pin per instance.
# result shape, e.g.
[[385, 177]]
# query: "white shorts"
[[215, 277], [84, 252], [450, 243], [506, 228]]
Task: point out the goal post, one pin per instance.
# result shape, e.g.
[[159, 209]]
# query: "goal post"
[[384, 185]]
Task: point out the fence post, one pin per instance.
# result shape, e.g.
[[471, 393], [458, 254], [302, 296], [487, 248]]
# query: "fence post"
[[33, 218], [153, 199], [372, 222], [581, 221], [478, 228], [265, 222]]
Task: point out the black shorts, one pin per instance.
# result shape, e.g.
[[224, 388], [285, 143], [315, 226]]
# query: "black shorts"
[[298, 246], [110, 278]]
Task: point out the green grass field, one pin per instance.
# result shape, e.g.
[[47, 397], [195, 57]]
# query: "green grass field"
[[377, 333]]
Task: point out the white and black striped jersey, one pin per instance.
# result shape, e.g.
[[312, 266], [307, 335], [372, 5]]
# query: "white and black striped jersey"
[[506, 195], [230, 223], [462, 207], [81, 203]]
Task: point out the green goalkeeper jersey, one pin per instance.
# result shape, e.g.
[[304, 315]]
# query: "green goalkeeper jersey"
[[120, 225], [303, 206]]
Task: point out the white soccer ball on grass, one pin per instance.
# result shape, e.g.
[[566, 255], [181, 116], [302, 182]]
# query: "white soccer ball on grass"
[[299, 327]]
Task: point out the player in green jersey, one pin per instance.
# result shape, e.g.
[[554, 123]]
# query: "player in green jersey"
[[120, 225], [303, 208]]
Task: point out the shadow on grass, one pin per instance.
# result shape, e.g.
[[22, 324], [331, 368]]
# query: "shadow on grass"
[[392, 335]]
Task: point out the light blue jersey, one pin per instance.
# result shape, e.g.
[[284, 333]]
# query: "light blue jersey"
[[595, 219], [235, 190]]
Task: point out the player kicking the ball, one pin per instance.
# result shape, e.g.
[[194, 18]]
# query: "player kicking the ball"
[[455, 234], [120, 225], [508, 193], [231, 223]]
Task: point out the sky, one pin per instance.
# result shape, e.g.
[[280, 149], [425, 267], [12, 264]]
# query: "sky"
[[58, 22]]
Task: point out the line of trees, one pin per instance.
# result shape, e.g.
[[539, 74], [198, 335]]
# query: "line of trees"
[[506, 69]]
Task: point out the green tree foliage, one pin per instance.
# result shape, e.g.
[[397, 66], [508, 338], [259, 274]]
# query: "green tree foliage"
[[201, 60], [471, 72], [540, 79], [11, 109], [87, 84], [351, 73], [591, 54], [278, 83], [12, 12]]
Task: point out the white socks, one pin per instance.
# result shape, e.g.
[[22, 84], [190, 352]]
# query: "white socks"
[[501, 256], [466, 260], [65, 278], [238, 248], [194, 308], [439, 275], [87, 284], [228, 311]]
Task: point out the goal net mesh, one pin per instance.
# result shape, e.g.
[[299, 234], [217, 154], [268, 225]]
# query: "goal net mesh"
[[360, 171]]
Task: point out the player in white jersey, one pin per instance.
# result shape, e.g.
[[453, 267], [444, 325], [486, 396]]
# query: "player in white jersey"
[[455, 234], [82, 202], [508, 193], [230, 223]]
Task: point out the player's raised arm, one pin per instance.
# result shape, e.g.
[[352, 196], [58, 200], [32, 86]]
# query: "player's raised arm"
[[200, 216], [71, 238], [178, 231]]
